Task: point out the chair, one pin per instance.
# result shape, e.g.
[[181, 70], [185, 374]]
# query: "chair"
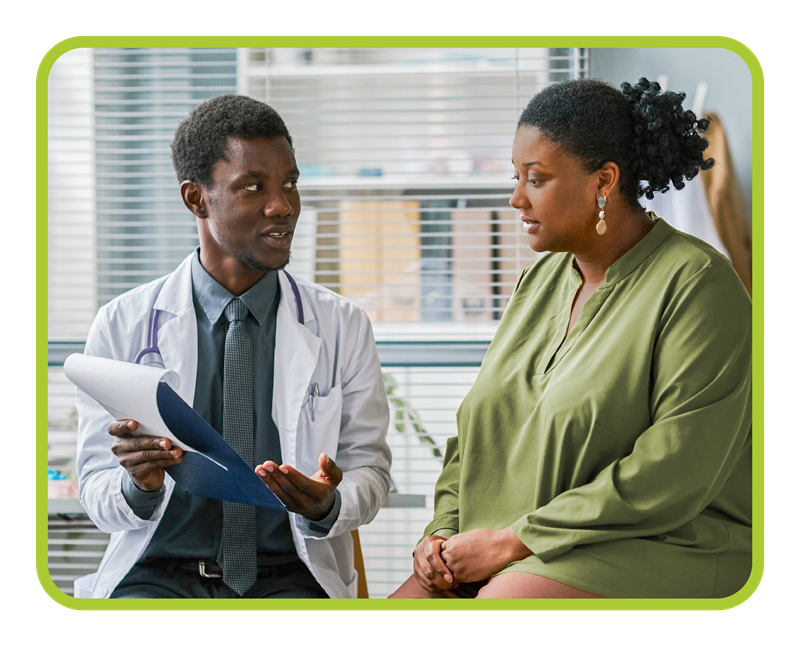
[[358, 558]]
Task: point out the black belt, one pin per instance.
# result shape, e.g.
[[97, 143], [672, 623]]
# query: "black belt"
[[209, 568]]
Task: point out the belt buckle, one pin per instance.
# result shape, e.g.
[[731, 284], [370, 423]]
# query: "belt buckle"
[[201, 567]]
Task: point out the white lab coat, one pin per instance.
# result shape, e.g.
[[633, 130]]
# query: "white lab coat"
[[335, 348]]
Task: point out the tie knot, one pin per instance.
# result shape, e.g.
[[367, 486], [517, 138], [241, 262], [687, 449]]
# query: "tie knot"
[[236, 310]]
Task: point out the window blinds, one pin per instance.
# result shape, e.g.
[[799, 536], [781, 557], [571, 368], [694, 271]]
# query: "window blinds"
[[115, 216], [405, 173]]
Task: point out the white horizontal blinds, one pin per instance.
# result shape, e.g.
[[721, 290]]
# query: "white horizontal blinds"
[[405, 159], [141, 95], [405, 167], [127, 225], [72, 215]]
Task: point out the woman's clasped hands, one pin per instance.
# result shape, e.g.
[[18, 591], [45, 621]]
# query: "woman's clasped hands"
[[441, 563]]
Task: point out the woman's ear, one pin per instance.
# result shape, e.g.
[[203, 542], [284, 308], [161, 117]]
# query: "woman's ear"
[[195, 198], [608, 178]]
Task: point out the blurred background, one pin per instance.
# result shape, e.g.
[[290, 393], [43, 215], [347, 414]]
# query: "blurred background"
[[405, 178]]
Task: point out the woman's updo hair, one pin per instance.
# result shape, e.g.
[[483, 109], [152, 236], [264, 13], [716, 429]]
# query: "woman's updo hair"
[[652, 139]]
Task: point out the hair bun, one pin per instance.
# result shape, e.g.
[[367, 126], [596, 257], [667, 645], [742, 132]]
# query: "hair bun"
[[668, 144]]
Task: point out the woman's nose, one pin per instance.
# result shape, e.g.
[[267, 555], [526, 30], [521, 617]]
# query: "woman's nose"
[[517, 199]]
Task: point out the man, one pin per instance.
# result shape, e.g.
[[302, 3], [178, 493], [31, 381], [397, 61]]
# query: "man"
[[285, 369]]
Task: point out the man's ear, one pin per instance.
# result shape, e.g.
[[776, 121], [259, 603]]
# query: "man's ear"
[[195, 198]]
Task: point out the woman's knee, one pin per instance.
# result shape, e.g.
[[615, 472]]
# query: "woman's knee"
[[411, 589]]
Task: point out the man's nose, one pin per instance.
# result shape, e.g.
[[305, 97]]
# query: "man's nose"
[[277, 205]]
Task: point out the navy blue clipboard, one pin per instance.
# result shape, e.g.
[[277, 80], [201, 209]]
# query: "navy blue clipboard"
[[198, 475]]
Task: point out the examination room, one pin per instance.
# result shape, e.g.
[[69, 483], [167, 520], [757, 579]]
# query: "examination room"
[[503, 293]]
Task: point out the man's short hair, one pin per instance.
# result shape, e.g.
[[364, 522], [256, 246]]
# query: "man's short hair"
[[201, 140]]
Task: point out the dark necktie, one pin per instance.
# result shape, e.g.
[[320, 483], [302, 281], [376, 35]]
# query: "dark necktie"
[[237, 552]]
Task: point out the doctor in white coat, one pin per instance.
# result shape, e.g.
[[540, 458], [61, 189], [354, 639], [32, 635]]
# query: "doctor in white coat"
[[334, 451]]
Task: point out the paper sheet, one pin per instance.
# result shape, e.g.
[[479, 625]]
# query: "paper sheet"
[[126, 390]]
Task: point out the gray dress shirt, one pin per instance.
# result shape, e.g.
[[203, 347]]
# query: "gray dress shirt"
[[192, 525]]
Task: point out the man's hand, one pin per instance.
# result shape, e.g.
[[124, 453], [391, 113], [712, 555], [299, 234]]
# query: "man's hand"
[[430, 570], [143, 457], [313, 496], [478, 554]]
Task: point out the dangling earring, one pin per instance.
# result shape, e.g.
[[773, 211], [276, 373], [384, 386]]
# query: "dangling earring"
[[602, 227]]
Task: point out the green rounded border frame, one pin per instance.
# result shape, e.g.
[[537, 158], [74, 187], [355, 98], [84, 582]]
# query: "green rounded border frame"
[[404, 41]]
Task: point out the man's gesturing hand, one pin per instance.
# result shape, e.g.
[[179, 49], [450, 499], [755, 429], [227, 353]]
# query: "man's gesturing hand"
[[313, 497]]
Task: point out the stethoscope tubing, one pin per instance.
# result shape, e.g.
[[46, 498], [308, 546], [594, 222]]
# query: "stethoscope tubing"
[[153, 347]]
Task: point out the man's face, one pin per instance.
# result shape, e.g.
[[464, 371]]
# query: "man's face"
[[252, 206]]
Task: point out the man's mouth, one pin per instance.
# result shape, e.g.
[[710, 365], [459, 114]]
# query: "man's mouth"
[[278, 239]]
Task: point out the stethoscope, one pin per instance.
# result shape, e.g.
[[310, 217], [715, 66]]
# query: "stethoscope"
[[153, 347]]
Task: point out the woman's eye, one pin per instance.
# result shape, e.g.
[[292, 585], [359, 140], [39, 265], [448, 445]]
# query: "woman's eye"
[[534, 182]]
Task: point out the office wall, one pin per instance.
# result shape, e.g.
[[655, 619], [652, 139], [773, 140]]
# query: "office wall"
[[729, 90]]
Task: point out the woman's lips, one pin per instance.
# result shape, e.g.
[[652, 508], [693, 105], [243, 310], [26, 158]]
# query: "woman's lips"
[[529, 226]]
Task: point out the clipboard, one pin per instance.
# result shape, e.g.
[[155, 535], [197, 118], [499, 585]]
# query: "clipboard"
[[210, 467]]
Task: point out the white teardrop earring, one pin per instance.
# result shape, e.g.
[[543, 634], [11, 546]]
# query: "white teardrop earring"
[[602, 227]]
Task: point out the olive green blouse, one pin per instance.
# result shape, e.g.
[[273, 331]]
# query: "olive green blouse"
[[619, 454]]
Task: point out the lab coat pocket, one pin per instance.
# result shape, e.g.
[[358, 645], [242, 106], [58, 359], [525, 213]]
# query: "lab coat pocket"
[[318, 429]]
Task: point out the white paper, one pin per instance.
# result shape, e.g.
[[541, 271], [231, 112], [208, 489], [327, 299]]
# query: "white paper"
[[126, 390]]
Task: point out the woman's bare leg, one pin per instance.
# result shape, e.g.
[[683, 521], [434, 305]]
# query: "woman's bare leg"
[[526, 585], [411, 589]]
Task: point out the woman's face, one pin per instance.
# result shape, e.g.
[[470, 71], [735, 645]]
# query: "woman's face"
[[555, 196]]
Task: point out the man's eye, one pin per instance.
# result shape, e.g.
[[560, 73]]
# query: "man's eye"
[[252, 187], [291, 184]]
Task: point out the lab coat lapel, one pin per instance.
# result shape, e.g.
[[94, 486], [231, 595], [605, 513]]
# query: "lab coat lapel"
[[177, 331], [296, 355]]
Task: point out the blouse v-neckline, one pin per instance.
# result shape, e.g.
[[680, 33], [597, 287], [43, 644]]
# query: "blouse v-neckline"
[[560, 346]]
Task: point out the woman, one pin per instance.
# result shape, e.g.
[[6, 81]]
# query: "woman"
[[604, 449]]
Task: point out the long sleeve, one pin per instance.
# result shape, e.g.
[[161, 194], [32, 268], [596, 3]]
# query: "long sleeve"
[[445, 513]]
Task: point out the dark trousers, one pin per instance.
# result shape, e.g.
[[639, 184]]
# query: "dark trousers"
[[164, 580]]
